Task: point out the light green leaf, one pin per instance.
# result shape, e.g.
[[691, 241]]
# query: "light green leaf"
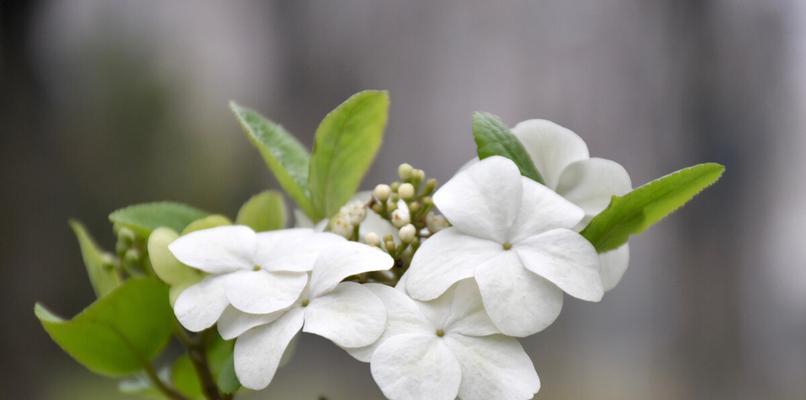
[[346, 143], [210, 221], [493, 138], [165, 265], [102, 274], [636, 211], [285, 156], [227, 380], [118, 333], [144, 218], [264, 211]]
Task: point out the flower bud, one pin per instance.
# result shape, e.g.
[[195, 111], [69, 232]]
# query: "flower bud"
[[372, 239], [390, 246], [436, 222], [165, 265], [382, 192], [404, 171], [341, 226], [355, 212], [406, 191], [407, 233], [417, 175], [126, 236], [430, 186]]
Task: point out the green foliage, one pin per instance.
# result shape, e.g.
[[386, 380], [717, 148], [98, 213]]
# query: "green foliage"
[[346, 142], [264, 211], [144, 218], [119, 333], [493, 138], [210, 221], [636, 211], [285, 156], [103, 276], [165, 265], [219, 358]]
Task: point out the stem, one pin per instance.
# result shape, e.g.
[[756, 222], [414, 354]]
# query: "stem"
[[160, 385], [198, 357]]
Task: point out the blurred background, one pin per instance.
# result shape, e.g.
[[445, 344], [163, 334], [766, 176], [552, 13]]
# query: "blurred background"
[[105, 104]]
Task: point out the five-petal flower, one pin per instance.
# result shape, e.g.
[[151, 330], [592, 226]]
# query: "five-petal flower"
[[562, 158], [446, 348], [516, 238], [255, 273]]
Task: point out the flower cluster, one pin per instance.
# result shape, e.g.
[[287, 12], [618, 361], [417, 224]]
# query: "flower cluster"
[[448, 328]]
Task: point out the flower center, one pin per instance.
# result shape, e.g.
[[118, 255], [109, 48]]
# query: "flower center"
[[440, 333], [305, 302], [507, 245], [256, 268]]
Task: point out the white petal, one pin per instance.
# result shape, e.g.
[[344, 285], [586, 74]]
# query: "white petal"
[[350, 315], [484, 199], [613, 265], [346, 259], [258, 351], [403, 316], [551, 147], [292, 249], [234, 323], [519, 302], [566, 259], [416, 367], [444, 259], [591, 183], [459, 310], [493, 367], [217, 250], [261, 292], [542, 209], [199, 306]]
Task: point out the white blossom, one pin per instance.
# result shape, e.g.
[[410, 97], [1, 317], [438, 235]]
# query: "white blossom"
[[347, 313], [516, 238], [563, 160], [255, 273], [446, 348]]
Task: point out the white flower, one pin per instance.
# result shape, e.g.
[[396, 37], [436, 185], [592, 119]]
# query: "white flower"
[[563, 160], [446, 348], [347, 313], [255, 273], [516, 238]]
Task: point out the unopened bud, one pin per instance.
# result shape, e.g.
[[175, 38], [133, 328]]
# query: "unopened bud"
[[132, 257], [401, 216], [407, 233], [355, 212], [126, 236], [404, 171], [372, 239], [390, 246], [436, 222], [394, 186], [341, 226], [382, 192], [406, 191], [414, 206], [417, 175], [430, 186]]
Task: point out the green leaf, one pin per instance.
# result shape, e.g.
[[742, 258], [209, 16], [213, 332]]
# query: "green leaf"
[[227, 380], [493, 138], [346, 143], [219, 358], [119, 333], [636, 211], [210, 221], [285, 156], [264, 211], [102, 274], [144, 218]]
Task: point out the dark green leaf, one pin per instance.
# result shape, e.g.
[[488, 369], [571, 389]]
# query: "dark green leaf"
[[493, 138], [285, 156], [636, 211], [144, 218], [263, 212], [119, 333], [345, 146], [219, 358], [102, 274]]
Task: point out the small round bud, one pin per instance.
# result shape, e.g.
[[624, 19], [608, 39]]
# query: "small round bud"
[[399, 218], [407, 233], [390, 246], [417, 175], [372, 239], [406, 191], [126, 236], [430, 186], [394, 186], [414, 206], [341, 226], [388, 237], [382, 192], [132, 257], [404, 171], [355, 212], [120, 248]]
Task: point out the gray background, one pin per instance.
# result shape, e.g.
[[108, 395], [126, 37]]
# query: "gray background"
[[105, 104]]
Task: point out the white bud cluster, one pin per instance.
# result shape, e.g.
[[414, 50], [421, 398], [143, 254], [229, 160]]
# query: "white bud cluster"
[[401, 215]]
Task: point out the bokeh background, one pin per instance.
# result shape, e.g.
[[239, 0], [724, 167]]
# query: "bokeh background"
[[105, 104]]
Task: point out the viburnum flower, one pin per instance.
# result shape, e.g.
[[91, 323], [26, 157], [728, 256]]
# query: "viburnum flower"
[[563, 160], [252, 272], [347, 313], [446, 348], [516, 238]]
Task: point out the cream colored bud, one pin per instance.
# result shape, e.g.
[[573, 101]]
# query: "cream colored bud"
[[404, 171], [340, 225], [372, 239], [406, 191], [417, 175], [407, 233], [382, 192], [355, 212]]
